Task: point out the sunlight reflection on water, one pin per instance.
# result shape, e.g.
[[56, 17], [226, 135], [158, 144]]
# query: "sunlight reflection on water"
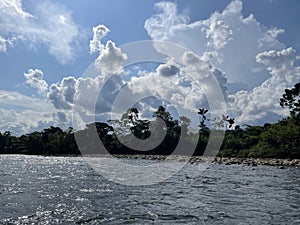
[[66, 190]]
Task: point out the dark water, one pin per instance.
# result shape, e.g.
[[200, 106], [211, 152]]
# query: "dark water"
[[39, 190]]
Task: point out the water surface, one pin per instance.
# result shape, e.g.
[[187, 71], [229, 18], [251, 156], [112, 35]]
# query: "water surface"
[[57, 190]]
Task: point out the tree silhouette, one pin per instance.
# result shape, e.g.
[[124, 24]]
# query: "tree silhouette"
[[291, 99], [202, 113], [230, 121]]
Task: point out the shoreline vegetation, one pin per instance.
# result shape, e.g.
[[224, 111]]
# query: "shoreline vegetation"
[[277, 143]]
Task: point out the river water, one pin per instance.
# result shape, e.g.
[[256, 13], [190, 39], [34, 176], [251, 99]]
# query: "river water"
[[57, 190]]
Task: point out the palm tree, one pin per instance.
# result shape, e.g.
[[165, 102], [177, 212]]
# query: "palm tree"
[[202, 113]]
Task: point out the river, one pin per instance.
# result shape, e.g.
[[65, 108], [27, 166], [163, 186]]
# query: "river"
[[67, 190]]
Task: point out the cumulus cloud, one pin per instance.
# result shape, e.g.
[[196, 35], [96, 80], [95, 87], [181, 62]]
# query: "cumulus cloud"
[[217, 32], [34, 77], [163, 88], [261, 104], [99, 32], [243, 55], [276, 60], [158, 25], [168, 69], [89, 95], [228, 39], [195, 80], [27, 121], [93, 93], [110, 60], [87, 91], [22, 114], [212, 81], [50, 25], [62, 94], [270, 37], [195, 66]]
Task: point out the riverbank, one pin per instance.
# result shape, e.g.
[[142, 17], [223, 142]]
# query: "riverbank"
[[281, 163]]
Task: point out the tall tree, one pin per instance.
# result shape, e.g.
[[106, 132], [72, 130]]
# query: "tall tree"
[[291, 99]]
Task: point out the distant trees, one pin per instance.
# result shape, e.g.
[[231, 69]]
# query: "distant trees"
[[279, 140], [6, 142], [50, 141]]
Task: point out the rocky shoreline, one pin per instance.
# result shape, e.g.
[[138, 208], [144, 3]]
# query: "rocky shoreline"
[[281, 163]]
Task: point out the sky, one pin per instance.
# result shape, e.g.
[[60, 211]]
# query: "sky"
[[63, 61]]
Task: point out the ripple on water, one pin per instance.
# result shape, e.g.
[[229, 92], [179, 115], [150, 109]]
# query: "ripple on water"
[[45, 190]]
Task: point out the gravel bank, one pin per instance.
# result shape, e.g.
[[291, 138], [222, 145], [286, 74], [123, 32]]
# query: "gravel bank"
[[281, 163]]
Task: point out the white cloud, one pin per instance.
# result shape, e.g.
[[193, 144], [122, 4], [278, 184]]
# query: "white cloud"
[[217, 32], [3, 44], [206, 75], [168, 69], [34, 78], [50, 25], [95, 96], [257, 65], [262, 103], [14, 8], [27, 121], [99, 32], [62, 94], [110, 60], [16, 100], [158, 25], [87, 91], [228, 38], [195, 66], [270, 37], [22, 114], [89, 95], [277, 60], [92, 95], [185, 87], [168, 89]]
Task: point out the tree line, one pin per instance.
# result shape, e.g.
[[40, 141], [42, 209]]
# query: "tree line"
[[278, 140]]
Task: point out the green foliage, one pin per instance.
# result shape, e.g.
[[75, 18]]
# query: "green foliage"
[[281, 139], [291, 99]]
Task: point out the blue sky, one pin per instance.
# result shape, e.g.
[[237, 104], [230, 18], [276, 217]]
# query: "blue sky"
[[252, 46]]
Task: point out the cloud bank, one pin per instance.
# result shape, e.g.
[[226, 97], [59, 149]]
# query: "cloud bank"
[[50, 25], [22, 114], [261, 104], [255, 65], [229, 38]]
